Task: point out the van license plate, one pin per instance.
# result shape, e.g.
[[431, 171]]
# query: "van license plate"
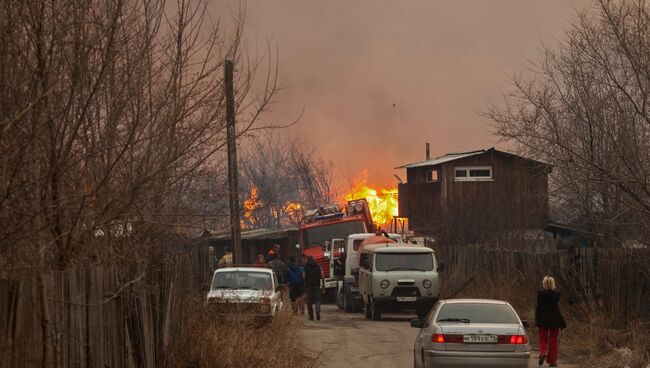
[[480, 339], [406, 298]]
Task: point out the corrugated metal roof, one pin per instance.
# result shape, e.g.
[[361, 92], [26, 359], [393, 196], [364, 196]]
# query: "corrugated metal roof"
[[258, 234], [442, 159]]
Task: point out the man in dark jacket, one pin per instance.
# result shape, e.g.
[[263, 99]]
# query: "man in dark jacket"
[[314, 280], [296, 280], [549, 321], [279, 268]]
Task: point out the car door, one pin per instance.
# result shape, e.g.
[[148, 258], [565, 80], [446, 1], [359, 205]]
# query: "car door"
[[424, 335], [276, 300]]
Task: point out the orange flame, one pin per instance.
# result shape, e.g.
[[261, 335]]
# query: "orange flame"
[[252, 204], [291, 211], [382, 202]]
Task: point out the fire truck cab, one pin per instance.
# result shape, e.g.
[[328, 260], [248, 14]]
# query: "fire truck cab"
[[320, 226]]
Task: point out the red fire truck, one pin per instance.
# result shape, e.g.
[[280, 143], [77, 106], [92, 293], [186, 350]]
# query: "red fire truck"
[[319, 226]]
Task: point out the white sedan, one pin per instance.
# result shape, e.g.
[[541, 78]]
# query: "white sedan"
[[245, 291], [471, 333]]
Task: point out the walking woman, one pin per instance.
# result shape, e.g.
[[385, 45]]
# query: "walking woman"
[[549, 321]]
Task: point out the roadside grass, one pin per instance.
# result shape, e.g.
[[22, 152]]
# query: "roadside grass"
[[236, 341], [591, 339]]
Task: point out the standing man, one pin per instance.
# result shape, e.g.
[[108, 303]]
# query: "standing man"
[[279, 268], [314, 280], [296, 285], [226, 260]]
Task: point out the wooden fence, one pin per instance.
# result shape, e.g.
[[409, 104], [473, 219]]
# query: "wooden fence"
[[614, 281], [102, 316]]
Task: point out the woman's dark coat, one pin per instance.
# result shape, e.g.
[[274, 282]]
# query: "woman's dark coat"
[[547, 312]]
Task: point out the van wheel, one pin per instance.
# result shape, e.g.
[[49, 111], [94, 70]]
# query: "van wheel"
[[347, 306], [422, 312], [367, 311], [375, 313], [340, 299]]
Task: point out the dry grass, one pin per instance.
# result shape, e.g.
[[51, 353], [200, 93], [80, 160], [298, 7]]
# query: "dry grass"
[[590, 339], [237, 341]]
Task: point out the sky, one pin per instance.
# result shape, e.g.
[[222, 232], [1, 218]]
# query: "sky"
[[377, 79]]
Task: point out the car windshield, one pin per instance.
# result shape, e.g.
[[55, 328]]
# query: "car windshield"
[[242, 280], [404, 261], [477, 313], [319, 235]]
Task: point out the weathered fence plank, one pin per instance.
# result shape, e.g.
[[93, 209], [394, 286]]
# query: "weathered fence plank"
[[617, 281], [101, 316]]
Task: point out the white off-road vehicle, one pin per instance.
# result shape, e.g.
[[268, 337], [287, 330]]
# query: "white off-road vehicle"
[[397, 276], [244, 291]]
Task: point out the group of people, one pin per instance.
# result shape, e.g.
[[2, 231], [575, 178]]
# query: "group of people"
[[305, 282]]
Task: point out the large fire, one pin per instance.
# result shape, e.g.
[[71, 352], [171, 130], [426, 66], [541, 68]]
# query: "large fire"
[[259, 213], [381, 201]]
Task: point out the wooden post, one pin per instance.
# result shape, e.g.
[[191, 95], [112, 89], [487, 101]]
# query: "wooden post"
[[235, 226]]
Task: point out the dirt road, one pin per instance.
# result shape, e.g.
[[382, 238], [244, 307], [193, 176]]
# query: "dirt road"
[[349, 340]]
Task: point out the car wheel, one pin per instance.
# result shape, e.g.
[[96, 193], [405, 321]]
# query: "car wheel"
[[367, 311], [376, 314]]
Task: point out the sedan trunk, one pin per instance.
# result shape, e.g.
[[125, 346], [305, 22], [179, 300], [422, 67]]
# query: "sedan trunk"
[[475, 332]]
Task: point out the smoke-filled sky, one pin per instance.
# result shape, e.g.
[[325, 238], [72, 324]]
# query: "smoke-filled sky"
[[378, 79]]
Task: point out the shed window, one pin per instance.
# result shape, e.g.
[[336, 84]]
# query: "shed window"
[[432, 176], [479, 173]]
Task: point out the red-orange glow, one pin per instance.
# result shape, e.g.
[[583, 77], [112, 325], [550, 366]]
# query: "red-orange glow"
[[381, 201]]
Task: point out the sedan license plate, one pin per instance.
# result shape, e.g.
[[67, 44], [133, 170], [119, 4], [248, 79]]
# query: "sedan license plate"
[[480, 339], [354, 288], [406, 298]]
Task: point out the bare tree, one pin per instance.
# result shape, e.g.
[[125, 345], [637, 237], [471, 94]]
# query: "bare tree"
[[111, 121], [585, 111], [281, 178]]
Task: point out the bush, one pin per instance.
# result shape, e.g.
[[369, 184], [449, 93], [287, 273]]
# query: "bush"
[[236, 341]]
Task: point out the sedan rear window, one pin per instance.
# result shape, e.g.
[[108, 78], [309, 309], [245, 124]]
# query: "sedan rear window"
[[242, 280], [477, 313]]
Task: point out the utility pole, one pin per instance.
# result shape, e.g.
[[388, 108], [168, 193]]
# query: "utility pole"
[[235, 226]]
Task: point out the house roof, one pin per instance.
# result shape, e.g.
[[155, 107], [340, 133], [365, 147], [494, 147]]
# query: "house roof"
[[457, 156], [444, 158]]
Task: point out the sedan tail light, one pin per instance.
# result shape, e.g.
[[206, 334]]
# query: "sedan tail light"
[[447, 338], [513, 339], [439, 338]]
